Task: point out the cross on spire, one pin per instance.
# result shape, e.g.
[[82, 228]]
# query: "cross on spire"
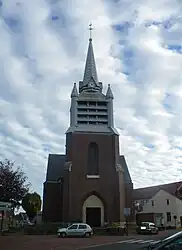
[[90, 29]]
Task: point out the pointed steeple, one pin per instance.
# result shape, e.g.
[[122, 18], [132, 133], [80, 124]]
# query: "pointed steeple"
[[90, 79], [90, 67], [74, 92], [109, 94]]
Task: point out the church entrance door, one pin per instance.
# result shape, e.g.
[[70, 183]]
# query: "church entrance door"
[[93, 211], [93, 216]]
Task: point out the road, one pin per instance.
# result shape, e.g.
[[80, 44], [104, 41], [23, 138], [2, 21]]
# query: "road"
[[133, 242]]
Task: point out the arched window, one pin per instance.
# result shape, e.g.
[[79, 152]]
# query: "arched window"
[[93, 159]]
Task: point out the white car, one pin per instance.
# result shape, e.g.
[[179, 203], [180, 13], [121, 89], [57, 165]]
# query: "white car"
[[76, 229]]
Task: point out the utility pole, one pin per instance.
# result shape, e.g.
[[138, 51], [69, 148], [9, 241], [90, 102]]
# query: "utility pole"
[[126, 210], [2, 221]]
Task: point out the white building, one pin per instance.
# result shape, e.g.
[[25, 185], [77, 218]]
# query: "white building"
[[163, 201]]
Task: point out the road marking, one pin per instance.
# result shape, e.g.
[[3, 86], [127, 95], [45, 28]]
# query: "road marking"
[[155, 241], [129, 241], [148, 241], [138, 241], [99, 245]]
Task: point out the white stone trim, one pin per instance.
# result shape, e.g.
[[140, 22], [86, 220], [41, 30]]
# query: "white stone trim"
[[93, 176]]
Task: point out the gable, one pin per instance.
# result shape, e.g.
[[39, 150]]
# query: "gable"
[[160, 205], [164, 195], [148, 192]]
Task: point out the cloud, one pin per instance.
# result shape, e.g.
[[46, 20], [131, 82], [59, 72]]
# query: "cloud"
[[137, 48]]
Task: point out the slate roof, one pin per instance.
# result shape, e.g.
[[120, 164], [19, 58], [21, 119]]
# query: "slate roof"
[[55, 167], [127, 177], [90, 67], [89, 128], [148, 192]]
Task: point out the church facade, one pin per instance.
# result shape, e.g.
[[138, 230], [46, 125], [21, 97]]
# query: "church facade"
[[90, 182]]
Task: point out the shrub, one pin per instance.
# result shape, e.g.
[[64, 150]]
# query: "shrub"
[[109, 231], [43, 229]]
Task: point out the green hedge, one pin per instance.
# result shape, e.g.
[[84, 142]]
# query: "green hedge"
[[43, 229], [51, 229], [109, 231]]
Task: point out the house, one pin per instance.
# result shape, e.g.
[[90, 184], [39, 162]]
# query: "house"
[[161, 204], [91, 181], [38, 218], [5, 214]]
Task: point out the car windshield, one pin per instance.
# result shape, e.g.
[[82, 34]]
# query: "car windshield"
[[144, 224], [73, 226], [172, 236], [166, 239]]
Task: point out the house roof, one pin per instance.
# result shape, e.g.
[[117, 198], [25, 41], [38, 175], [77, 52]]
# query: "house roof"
[[56, 162], [149, 192]]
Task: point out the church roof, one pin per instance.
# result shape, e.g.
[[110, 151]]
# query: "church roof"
[[55, 167], [89, 128], [127, 177]]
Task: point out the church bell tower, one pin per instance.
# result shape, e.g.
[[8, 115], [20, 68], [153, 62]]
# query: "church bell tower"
[[93, 185]]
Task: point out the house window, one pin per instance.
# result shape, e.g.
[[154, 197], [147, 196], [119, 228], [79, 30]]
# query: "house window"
[[167, 202], [168, 216], [93, 160], [152, 203]]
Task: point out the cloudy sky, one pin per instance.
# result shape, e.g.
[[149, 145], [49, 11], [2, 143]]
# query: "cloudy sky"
[[137, 47]]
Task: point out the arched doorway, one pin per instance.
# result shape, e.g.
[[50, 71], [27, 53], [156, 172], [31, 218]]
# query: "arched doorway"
[[93, 211]]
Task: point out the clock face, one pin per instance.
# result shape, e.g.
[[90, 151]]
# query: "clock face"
[[91, 84]]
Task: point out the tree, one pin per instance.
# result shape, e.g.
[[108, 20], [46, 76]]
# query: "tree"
[[31, 203], [13, 183]]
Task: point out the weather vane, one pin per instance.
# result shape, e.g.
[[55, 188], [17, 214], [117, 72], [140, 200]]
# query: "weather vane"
[[90, 28]]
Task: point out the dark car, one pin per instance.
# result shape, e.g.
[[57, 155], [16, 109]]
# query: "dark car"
[[173, 242], [147, 228]]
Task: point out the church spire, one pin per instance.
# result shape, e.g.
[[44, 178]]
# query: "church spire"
[[90, 66], [109, 94], [74, 92], [90, 79]]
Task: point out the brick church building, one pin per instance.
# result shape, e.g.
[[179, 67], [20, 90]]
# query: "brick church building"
[[90, 182]]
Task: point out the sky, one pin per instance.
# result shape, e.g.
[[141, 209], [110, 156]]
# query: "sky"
[[138, 50]]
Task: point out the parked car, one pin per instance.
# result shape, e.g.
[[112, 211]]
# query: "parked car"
[[76, 229], [147, 228], [173, 242]]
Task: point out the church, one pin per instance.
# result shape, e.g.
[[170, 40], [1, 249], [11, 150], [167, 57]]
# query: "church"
[[91, 182]]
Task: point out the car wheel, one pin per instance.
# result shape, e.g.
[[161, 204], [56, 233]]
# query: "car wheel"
[[63, 235], [87, 235]]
